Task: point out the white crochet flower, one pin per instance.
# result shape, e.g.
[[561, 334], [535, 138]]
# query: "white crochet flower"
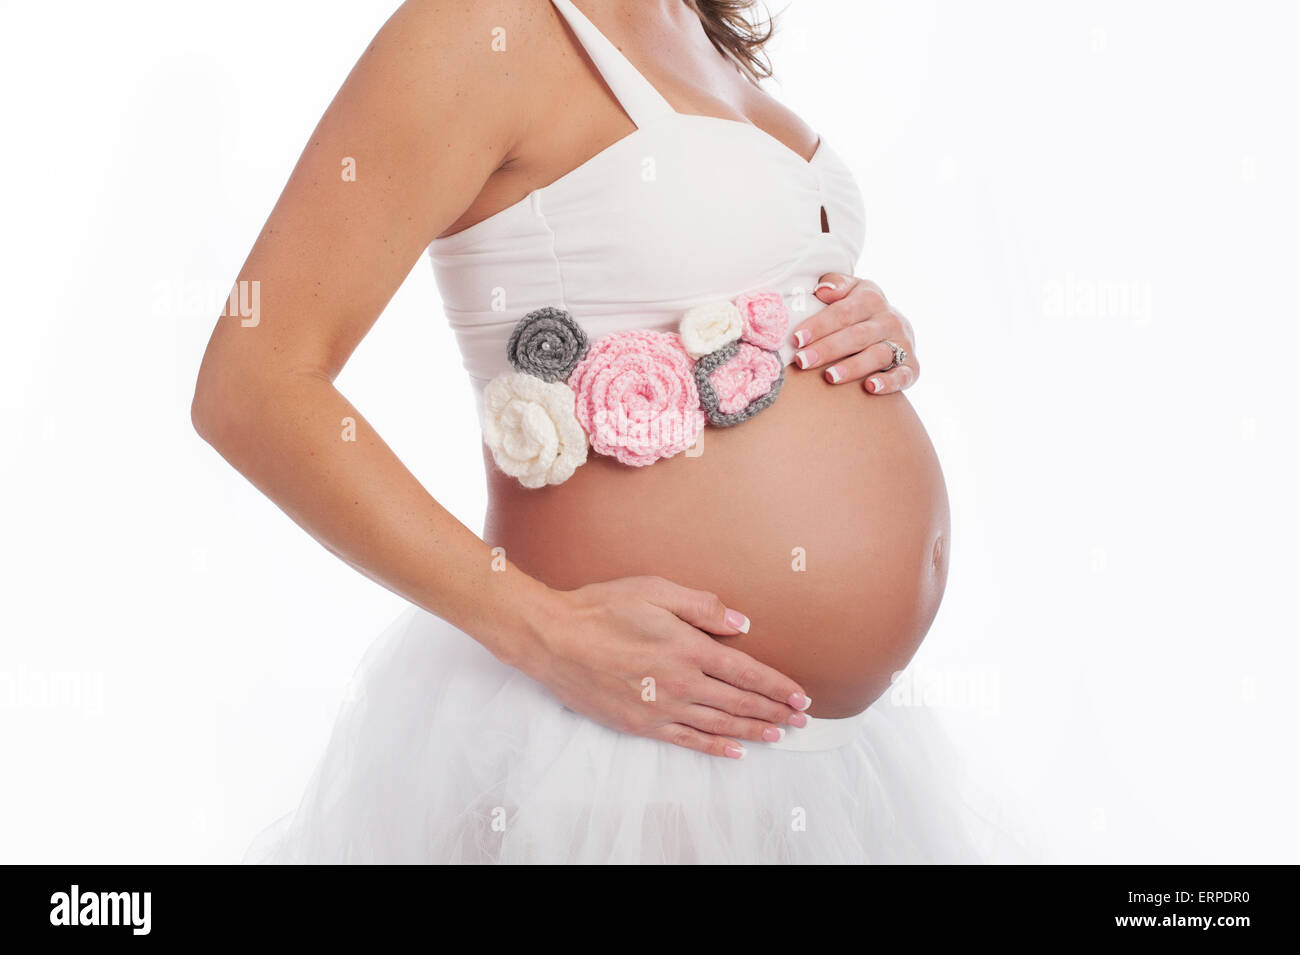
[[708, 327], [530, 426]]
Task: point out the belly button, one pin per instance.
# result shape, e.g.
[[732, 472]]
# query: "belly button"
[[937, 555]]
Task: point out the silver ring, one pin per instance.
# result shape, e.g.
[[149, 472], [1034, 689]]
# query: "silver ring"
[[900, 355]]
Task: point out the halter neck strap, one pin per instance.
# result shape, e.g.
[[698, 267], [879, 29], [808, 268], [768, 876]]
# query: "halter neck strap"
[[638, 97]]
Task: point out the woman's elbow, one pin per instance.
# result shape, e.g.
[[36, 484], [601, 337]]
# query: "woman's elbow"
[[218, 409], [203, 414], [206, 413]]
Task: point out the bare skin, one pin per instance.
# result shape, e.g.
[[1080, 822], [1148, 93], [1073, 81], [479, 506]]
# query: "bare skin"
[[824, 521], [444, 133]]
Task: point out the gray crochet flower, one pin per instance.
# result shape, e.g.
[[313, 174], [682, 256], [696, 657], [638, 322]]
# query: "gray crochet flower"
[[755, 373], [547, 344]]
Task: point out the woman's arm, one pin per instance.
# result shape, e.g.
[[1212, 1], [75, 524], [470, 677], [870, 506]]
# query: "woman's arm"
[[412, 129], [426, 118]]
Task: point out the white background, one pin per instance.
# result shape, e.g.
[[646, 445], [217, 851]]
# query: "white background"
[[1087, 209]]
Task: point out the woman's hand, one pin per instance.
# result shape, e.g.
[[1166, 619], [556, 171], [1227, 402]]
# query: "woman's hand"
[[849, 337], [635, 654]]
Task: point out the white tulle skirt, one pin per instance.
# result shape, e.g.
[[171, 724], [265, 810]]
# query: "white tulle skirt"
[[442, 754]]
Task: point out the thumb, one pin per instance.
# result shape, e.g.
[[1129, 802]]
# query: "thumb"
[[833, 286], [700, 609]]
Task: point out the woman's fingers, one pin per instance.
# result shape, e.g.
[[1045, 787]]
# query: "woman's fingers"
[[887, 382], [833, 286], [745, 673], [847, 338], [688, 737], [832, 318], [861, 302], [843, 343], [725, 697], [717, 723], [699, 608], [870, 360], [739, 696]]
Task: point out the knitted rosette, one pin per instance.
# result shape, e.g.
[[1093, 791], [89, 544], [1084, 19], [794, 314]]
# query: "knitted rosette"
[[636, 396], [531, 430], [547, 344], [708, 327], [738, 381], [764, 319]]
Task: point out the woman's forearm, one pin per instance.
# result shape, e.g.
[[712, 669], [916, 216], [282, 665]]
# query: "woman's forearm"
[[297, 438]]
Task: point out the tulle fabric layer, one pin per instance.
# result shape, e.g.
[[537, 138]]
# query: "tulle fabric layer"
[[442, 754]]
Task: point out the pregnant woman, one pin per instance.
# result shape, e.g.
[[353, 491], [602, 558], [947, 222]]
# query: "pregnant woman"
[[716, 527]]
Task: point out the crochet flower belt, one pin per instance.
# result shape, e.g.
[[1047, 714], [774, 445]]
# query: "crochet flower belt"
[[637, 396]]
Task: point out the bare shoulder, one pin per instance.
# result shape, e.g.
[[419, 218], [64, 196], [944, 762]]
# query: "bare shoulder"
[[479, 40], [484, 37], [445, 89]]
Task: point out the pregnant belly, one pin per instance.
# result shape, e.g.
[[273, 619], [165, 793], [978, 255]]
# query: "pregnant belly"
[[824, 519]]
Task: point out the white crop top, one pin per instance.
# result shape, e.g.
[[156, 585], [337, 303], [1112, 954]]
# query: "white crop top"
[[688, 215]]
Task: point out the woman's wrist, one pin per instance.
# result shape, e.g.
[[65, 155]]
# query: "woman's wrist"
[[527, 614]]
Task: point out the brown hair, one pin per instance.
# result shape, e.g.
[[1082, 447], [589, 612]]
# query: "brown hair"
[[731, 26]]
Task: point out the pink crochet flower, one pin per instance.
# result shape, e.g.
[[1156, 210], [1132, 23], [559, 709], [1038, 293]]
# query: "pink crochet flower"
[[766, 320], [738, 381], [744, 378], [636, 396]]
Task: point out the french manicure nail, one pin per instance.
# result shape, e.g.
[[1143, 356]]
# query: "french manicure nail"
[[735, 752], [798, 720], [800, 338], [834, 374], [737, 620], [822, 285], [806, 358], [773, 734], [799, 701], [875, 385]]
